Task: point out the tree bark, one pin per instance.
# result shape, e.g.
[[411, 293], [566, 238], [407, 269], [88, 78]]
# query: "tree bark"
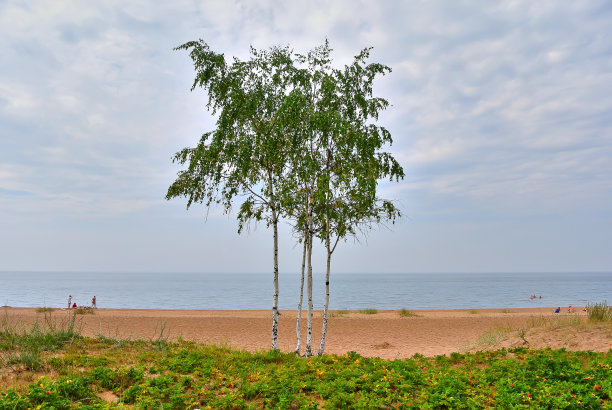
[[309, 290], [326, 306], [275, 301], [298, 328], [329, 254]]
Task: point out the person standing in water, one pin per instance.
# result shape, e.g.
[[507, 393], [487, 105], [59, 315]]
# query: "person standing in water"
[[93, 303]]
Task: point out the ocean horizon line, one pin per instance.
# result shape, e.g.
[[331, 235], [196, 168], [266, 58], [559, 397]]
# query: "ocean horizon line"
[[318, 310], [348, 291], [187, 272]]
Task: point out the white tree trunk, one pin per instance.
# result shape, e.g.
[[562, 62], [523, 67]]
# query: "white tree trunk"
[[298, 322], [275, 303], [326, 306], [309, 291]]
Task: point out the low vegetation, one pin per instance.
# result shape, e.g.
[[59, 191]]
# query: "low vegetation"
[[492, 338], [368, 311], [66, 370], [555, 322], [84, 311], [510, 334], [22, 349], [407, 313], [599, 312]]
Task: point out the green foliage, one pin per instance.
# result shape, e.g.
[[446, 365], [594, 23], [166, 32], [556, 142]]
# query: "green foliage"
[[62, 393], [368, 311], [251, 152], [197, 376], [294, 138], [84, 311], [247, 154], [599, 312], [44, 310], [26, 345], [407, 313]]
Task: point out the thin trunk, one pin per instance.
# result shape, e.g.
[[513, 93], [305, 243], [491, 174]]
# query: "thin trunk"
[[272, 203], [326, 306], [328, 262], [298, 324], [309, 290], [275, 303]]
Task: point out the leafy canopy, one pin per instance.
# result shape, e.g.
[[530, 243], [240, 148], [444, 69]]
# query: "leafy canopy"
[[248, 153]]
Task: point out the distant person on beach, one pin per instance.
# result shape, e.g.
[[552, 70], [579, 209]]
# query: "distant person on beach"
[[93, 303], [69, 301], [570, 309], [74, 305], [557, 310]]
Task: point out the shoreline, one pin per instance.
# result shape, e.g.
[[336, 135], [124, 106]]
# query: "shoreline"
[[384, 334], [356, 311]]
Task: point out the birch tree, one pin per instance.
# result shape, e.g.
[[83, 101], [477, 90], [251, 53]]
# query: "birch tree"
[[300, 200], [247, 155], [354, 162], [341, 164], [294, 138]]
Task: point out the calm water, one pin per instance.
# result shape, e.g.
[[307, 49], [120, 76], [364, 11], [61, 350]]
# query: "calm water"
[[348, 291]]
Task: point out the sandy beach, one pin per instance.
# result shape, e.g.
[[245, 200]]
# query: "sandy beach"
[[385, 334]]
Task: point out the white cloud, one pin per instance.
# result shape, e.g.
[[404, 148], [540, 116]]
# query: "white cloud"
[[500, 111], [497, 106], [17, 99]]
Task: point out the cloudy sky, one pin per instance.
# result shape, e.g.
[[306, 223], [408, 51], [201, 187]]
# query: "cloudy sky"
[[501, 117]]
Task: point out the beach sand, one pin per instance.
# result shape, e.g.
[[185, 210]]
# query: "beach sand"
[[385, 334]]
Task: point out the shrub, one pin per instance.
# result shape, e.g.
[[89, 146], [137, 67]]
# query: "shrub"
[[407, 313], [84, 311], [369, 311]]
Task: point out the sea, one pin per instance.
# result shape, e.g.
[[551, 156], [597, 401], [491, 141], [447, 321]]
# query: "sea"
[[250, 291]]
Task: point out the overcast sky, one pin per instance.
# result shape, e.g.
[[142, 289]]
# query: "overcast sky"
[[501, 117]]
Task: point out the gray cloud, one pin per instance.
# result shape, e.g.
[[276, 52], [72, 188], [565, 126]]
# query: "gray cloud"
[[501, 112]]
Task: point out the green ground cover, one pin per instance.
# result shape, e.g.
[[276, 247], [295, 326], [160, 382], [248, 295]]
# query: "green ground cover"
[[55, 367]]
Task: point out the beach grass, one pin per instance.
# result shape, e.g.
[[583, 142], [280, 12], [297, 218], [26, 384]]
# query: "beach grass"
[[44, 310], [408, 313], [84, 311], [555, 322], [368, 311], [599, 312], [26, 345], [493, 338], [79, 372], [338, 313]]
